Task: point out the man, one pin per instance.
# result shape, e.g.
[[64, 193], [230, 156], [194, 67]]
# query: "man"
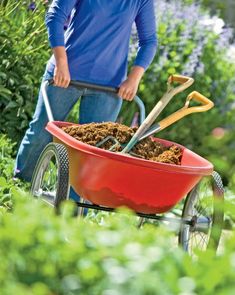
[[94, 49]]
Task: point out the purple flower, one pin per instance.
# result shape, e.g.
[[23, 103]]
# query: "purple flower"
[[184, 31], [32, 6]]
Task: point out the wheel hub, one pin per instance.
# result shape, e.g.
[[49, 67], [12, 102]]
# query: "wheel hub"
[[200, 224]]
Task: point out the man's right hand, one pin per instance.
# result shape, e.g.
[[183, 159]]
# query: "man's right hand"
[[61, 76], [61, 73]]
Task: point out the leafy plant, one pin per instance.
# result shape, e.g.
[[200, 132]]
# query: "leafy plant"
[[24, 51], [8, 186], [45, 254], [194, 44]]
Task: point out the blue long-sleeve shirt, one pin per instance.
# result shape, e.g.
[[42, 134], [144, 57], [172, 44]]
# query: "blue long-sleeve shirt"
[[97, 38]]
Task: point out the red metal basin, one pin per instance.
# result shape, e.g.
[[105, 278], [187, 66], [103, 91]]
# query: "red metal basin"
[[113, 179]]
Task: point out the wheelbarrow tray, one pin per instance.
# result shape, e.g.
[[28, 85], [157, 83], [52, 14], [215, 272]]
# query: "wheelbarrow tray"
[[112, 179]]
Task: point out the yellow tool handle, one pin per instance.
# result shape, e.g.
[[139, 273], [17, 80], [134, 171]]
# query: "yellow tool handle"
[[186, 110], [206, 103]]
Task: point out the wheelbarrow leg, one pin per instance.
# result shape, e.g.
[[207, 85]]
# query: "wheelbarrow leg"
[[81, 212], [141, 222]]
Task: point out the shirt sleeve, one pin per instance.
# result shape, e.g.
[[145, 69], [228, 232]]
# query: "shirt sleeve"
[[55, 20], [146, 28]]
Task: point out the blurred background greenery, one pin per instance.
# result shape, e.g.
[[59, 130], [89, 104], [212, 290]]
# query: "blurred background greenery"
[[43, 254], [225, 9]]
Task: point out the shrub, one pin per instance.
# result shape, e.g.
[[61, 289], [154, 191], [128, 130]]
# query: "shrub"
[[8, 186], [45, 254], [24, 51], [194, 44]]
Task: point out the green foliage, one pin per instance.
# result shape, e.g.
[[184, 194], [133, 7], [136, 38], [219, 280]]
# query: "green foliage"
[[6, 168], [218, 85], [6, 154], [23, 51], [45, 254], [188, 46], [8, 186]]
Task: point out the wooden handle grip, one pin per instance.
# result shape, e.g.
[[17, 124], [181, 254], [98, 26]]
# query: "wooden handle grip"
[[185, 82], [180, 79]]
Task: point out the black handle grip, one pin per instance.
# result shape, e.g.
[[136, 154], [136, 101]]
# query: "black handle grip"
[[89, 85]]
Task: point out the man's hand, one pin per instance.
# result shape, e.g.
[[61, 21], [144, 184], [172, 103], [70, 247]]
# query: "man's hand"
[[61, 73], [129, 87]]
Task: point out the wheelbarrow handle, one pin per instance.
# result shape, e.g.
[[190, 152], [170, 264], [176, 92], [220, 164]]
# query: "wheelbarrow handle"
[[206, 105], [81, 84], [46, 83]]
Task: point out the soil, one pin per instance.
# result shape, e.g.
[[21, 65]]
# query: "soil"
[[148, 149]]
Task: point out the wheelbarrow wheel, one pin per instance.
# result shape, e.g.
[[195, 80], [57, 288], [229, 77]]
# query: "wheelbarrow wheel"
[[50, 180], [204, 208]]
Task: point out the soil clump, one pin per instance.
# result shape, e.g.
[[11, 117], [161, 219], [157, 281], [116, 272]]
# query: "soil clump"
[[148, 149]]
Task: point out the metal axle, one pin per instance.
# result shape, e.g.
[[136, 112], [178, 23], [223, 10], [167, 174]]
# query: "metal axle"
[[143, 215]]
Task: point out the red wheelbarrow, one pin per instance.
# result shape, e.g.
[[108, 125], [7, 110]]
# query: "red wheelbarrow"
[[106, 180]]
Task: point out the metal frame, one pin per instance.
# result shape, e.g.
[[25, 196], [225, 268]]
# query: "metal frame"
[[191, 222]]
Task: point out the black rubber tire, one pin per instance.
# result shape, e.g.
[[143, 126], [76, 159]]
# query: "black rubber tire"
[[217, 218], [60, 153]]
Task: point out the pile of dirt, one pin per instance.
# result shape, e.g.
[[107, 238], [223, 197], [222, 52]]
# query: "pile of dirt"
[[148, 149]]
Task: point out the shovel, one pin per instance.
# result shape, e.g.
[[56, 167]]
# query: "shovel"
[[171, 92], [205, 105]]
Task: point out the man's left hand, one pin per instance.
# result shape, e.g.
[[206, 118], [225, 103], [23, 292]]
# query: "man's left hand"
[[128, 89]]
